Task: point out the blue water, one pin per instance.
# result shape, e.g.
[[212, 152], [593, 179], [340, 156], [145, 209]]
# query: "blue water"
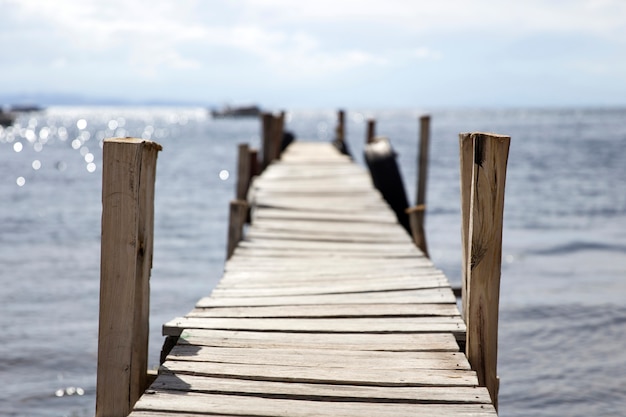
[[563, 298]]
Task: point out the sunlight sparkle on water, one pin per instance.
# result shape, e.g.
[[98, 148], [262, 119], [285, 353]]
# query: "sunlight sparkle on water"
[[17, 146], [89, 158], [91, 167], [36, 164], [81, 124], [20, 181], [224, 174]]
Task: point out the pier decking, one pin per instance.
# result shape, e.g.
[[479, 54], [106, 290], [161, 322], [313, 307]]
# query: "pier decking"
[[326, 308]]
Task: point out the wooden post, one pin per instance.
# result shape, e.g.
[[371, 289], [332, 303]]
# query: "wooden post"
[[267, 139], [341, 126], [254, 163], [277, 134], [236, 219], [422, 160], [129, 169], [416, 222], [466, 149], [243, 171], [417, 213], [484, 252], [371, 131]]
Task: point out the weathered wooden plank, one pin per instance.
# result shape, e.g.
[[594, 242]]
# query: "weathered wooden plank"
[[325, 236], [234, 405], [337, 310], [292, 245], [329, 281], [343, 264], [249, 278], [434, 342], [430, 296], [321, 392], [331, 287], [327, 226], [349, 359], [385, 217], [431, 324], [400, 377]]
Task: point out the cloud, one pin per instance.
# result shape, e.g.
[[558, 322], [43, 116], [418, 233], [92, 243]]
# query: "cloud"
[[164, 45]]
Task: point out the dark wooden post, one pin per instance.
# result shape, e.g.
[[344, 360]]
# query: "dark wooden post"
[[129, 169], [417, 214], [341, 126], [254, 163], [371, 131], [277, 132], [267, 139], [243, 171], [236, 219], [484, 251]]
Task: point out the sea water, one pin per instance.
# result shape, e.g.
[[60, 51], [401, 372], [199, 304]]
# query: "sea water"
[[562, 345]]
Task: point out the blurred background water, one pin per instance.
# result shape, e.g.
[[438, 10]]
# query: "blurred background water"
[[563, 309]]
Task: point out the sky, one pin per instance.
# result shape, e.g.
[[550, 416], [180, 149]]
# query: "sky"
[[322, 53]]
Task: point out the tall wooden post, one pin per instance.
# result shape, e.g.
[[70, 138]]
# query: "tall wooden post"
[[483, 256], [422, 160], [129, 169], [236, 219], [417, 213], [466, 149], [243, 171], [371, 131]]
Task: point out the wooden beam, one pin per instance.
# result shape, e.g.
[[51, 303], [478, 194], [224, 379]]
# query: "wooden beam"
[[484, 254], [129, 168]]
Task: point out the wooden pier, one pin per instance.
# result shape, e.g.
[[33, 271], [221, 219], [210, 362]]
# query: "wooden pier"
[[326, 308]]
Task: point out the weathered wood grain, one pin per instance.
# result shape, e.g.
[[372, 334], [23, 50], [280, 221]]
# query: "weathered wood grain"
[[429, 295], [322, 392], [229, 405], [431, 324], [126, 259], [413, 342], [349, 359], [337, 311]]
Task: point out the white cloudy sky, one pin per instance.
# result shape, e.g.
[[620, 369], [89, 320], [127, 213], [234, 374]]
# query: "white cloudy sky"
[[358, 53]]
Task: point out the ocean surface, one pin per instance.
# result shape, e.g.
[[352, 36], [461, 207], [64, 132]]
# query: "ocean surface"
[[562, 345]]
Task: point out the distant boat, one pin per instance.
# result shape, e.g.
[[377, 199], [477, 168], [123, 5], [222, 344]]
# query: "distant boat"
[[25, 108], [6, 118], [238, 111]]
